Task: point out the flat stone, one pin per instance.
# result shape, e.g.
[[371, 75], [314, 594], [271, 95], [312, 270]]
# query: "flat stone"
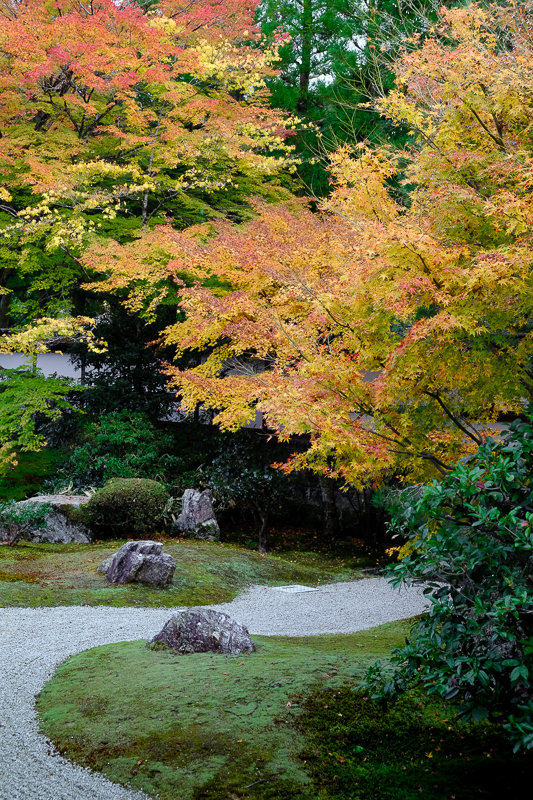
[[58, 527], [294, 589], [58, 500]]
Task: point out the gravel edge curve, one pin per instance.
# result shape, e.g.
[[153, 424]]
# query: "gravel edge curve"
[[33, 642]]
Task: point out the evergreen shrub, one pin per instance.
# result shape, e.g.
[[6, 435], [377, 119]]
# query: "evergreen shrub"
[[470, 542], [127, 507]]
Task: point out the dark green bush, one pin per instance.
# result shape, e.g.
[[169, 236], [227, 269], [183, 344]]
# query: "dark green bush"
[[240, 476], [26, 478], [123, 444], [129, 373], [127, 507], [471, 543]]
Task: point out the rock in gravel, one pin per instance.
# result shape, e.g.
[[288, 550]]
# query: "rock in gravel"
[[201, 630], [61, 525], [140, 562], [197, 516]]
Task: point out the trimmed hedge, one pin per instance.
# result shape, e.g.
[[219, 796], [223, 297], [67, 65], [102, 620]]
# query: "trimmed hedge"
[[127, 507]]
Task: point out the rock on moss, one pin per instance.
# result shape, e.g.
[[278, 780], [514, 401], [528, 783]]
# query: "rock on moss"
[[140, 562], [199, 630], [197, 516], [63, 524]]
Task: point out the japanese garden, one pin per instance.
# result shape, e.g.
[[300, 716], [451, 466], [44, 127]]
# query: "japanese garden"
[[266, 399]]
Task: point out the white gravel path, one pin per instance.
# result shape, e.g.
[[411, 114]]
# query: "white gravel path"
[[34, 641]]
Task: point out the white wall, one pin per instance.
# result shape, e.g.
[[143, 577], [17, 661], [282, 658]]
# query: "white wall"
[[49, 363]]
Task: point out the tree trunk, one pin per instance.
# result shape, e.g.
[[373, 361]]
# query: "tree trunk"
[[330, 516], [4, 300], [262, 517], [305, 63]]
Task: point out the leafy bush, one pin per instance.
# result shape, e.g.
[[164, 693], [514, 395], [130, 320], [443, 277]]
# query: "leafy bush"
[[17, 520], [127, 506], [471, 540], [240, 476], [119, 445], [27, 477], [25, 395]]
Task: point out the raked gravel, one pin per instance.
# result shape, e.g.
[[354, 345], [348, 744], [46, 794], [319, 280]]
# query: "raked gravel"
[[34, 641]]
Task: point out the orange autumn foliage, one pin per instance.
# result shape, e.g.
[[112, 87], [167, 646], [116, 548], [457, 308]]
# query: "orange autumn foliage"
[[110, 111], [386, 331]]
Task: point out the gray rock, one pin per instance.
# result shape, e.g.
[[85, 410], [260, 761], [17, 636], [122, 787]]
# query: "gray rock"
[[104, 566], [197, 515], [59, 528], [201, 630], [139, 562]]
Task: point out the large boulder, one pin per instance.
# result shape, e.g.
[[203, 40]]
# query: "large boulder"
[[61, 525], [201, 630], [140, 562], [197, 516]]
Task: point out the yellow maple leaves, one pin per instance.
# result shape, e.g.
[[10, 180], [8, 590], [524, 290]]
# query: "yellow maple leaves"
[[413, 318]]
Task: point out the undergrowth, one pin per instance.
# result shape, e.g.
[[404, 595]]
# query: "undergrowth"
[[359, 749], [283, 722], [202, 725]]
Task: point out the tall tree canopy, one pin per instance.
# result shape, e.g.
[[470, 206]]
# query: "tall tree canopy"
[[116, 115], [339, 56], [382, 330]]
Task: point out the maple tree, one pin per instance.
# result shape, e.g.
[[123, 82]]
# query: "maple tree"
[[26, 394], [115, 115], [381, 330]]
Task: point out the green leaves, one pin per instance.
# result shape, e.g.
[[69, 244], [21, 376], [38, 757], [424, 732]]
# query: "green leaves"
[[470, 541], [23, 395], [119, 445]]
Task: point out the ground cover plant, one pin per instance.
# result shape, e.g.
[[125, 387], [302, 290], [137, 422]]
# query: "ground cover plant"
[[206, 572], [283, 722], [200, 725], [411, 748]]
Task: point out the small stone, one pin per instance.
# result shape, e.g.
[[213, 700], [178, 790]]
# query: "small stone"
[[201, 630], [197, 515], [140, 562]]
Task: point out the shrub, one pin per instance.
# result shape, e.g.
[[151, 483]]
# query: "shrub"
[[28, 476], [240, 476], [471, 539], [122, 444], [127, 506]]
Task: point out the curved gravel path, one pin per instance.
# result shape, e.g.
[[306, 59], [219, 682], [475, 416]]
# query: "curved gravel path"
[[34, 641]]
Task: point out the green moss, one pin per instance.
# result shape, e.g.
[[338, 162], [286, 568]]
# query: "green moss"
[[11, 577], [203, 725], [207, 572], [283, 722], [78, 515], [407, 749]]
